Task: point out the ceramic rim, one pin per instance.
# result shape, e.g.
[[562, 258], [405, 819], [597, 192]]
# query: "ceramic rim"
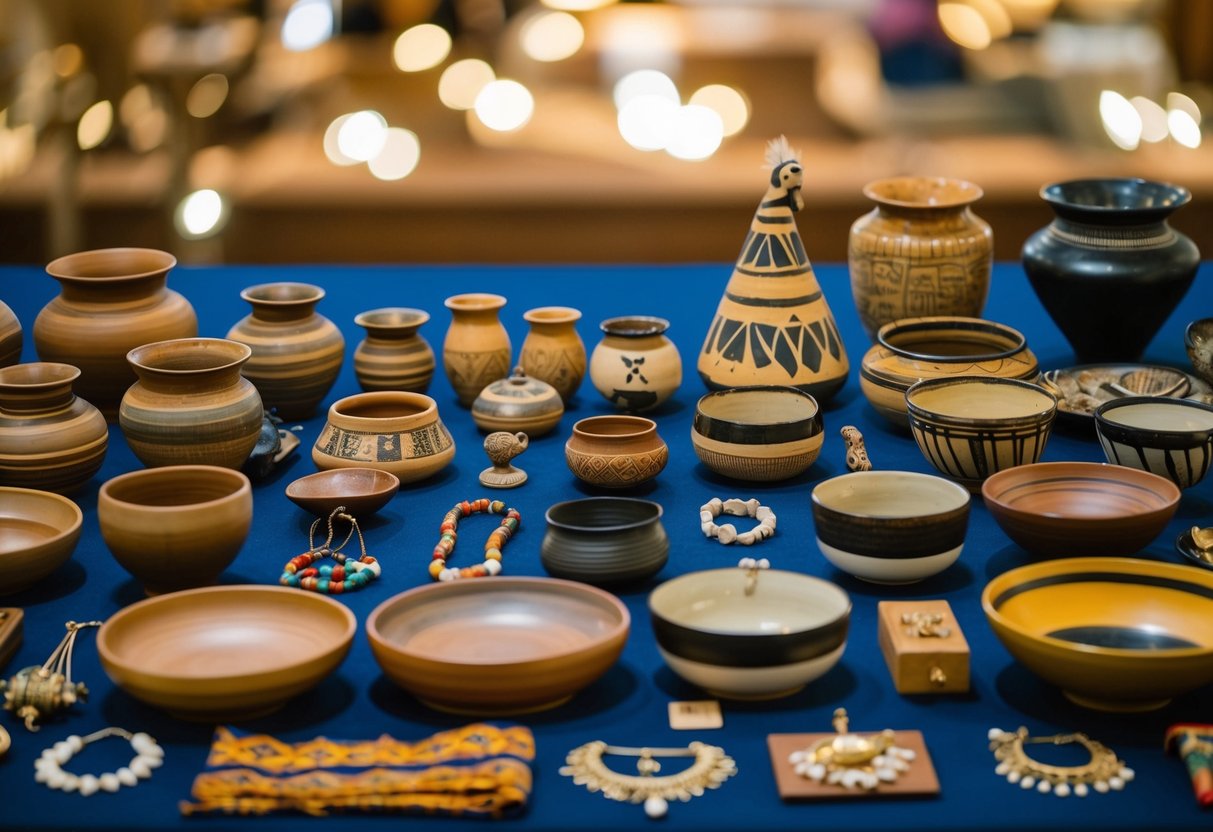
[[646, 510], [283, 293], [237, 481], [59, 268], [634, 326], [237, 354], [391, 317], [48, 496], [1055, 194], [963, 193], [741, 431], [994, 489], [1158, 437], [957, 324], [1001, 423]]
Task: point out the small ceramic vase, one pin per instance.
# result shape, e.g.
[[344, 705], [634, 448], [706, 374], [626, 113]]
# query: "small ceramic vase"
[[393, 431], [635, 365], [393, 356], [518, 403], [920, 252], [476, 350], [10, 336], [501, 448], [111, 301], [1109, 269], [553, 351], [296, 353], [616, 451], [50, 439], [913, 349], [190, 405]]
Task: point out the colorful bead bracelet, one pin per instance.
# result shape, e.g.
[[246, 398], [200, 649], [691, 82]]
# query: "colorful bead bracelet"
[[347, 576], [492, 547]]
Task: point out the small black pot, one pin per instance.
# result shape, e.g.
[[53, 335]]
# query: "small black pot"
[[605, 541]]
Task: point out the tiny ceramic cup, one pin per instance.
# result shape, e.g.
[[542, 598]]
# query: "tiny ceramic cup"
[[1172, 438]]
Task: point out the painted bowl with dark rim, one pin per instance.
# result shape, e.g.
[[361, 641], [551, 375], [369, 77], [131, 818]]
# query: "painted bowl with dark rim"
[[604, 541], [757, 434], [762, 645], [890, 527], [1115, 634], [1080, 508], [1169, 437]]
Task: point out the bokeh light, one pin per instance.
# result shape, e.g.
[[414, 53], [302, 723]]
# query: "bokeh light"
[[695, 134], [462, 81], [361, 136], [964, 25], [201, 214], [576, 5], [399, 157], [331, 150], [68, 59], [95, 125], [207, 95], [1183, 128], [646, 122], [729, 104], [421, 47], [645, 82], [504, 105], [552, 36], [308, 24], [1120, 120], [1153, 119]]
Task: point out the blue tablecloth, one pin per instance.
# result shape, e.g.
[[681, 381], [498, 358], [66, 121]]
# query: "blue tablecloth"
[[627, 706]]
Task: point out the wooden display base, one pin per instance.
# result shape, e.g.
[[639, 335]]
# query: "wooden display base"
[[10, 632], [919, 781], [934, 663]]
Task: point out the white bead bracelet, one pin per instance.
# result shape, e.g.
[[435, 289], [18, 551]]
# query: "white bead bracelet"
[[49, 767], [727, 533]]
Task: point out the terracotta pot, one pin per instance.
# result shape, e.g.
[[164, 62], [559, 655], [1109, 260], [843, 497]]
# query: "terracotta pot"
[[177, 527], [49, 438], [518, 403], [476, 350], [553, 351], [393, 431], [296, 353], [773, 325], [616, 451], [393, 356], [914, 349], [10, 336], [111, 301], [191, 406], [635, 365], [1108, 269], [920, 252]]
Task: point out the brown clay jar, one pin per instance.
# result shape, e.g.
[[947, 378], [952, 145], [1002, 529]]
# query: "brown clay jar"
[[10, 336], [616, 451], [50, 439], [191, 406], [393, 356], [296, 352], [111, 301], [391, 430], [476, 350], [553, 351]]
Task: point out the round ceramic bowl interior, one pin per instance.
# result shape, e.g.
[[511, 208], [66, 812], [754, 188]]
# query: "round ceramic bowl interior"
[[973, 426], [282, 293], [391, 319], [362, 491], [890, 527], [225, 653], [1080, 508], [178, 526], [743, 635], [188, 355], [500, 646], [762, 433], [1169, 437], [1116, 634], [38, 531], [605, 540], [1198, 341]]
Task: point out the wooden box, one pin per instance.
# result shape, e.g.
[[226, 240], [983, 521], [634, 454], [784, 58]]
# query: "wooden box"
[[923, 646]]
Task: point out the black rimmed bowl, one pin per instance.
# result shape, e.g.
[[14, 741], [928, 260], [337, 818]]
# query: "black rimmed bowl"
[[764, 644], [605, 541], [1115, 634], [759, 434], [1172, 438]]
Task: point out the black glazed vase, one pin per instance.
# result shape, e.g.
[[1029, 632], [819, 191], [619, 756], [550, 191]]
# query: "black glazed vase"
[[1108, 269]]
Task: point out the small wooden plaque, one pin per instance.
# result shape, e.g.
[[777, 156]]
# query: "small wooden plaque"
[[918, 781], [10, 632], [923, 663], [699, 715]]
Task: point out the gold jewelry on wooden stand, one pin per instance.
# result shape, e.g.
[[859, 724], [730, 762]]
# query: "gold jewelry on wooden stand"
[[709, 770], [853, 761], [1103, 772]]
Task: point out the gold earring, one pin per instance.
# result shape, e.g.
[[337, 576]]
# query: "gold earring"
[[1103, 772]]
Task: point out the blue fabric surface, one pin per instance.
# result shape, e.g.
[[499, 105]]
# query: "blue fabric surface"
[[627, 706]]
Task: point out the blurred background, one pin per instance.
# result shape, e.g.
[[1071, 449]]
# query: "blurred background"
[[569, 130]]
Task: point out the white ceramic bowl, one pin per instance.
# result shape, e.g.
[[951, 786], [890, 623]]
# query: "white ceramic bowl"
[[1172, 438]]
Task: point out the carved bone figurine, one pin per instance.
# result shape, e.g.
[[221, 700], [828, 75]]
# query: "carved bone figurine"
[[857, 454]]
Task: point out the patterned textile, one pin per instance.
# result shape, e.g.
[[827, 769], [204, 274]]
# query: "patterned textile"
[[1194, 744], [478, 770]]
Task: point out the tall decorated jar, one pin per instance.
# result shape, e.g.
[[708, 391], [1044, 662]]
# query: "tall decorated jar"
[[476, 350]]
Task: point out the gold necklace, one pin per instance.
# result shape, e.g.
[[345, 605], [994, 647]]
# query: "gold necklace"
[[709, 770], [1103, 772]]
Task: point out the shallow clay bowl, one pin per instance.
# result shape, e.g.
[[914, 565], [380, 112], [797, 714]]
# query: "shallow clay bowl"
[[363, 491], [1169, 437], [757, 433], [890, 527], [1080, 508], [38, 531], [225, 653], [498, 646], [1116, 634], [767, 644]]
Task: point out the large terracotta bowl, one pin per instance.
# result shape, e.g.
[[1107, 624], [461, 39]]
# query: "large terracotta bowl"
[[392, 430], [38, 531], [1116, 634], [176, 527], [761, 644], [757, 433], [1080, 508], [1169, 437], [500, 645], [225, 653]]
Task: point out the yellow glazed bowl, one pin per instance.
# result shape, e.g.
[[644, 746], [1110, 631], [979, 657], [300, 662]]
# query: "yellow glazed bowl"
[[1116, 634]]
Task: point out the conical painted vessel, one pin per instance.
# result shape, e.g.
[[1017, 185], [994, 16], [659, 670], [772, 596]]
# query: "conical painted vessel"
[[773, 325]]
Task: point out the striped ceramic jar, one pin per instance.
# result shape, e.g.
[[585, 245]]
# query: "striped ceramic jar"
[[393, 356]]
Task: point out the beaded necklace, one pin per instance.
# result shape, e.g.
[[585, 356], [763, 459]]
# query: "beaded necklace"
[[492, 547], [347, 576]]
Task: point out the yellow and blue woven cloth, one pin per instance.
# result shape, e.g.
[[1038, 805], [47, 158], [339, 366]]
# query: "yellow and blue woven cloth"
[[478, 770]]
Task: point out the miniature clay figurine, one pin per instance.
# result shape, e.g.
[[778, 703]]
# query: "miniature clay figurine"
[[501, 448]]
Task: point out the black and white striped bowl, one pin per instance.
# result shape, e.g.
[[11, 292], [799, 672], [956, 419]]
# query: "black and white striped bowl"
[[1172, 438]]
